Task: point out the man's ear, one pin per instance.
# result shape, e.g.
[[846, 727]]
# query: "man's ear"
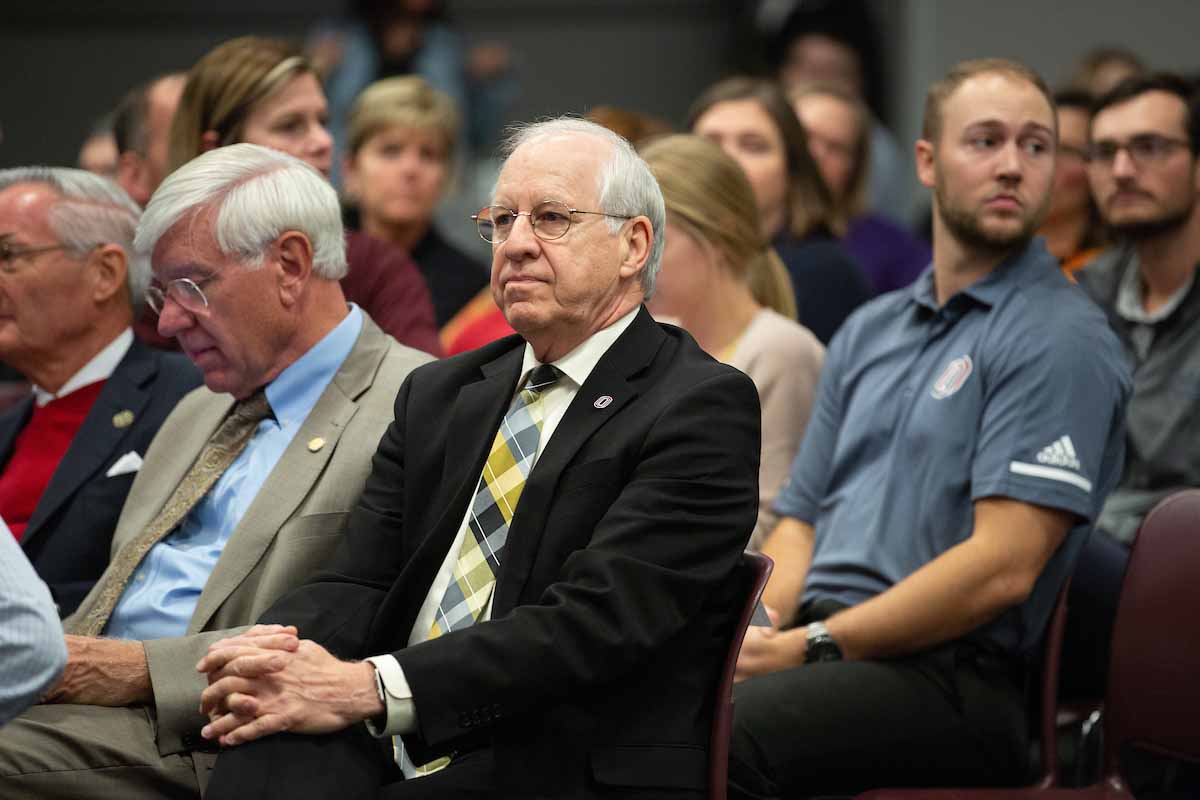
[[294, 256], [109, 271], [926, 172], [637, 239], [131, 173], [209, 140]]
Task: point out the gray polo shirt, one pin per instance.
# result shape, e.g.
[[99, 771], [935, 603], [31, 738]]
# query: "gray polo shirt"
[[1163, 444], [1015, 388]]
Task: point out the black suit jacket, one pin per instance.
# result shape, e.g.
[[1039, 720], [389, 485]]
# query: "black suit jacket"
[[70, 533], [614, 603]]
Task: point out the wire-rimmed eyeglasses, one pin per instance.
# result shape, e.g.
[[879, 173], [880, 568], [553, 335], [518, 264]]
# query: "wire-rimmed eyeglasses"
[[184, 291], [550, 220]]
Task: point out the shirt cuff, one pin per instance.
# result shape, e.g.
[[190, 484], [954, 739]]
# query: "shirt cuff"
[[401, 712]]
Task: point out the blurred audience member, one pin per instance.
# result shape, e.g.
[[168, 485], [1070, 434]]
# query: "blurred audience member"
[[69, 287], [141, 126], [32, 652], [1073, 231], [263, 91], [957, 453], [634, 126], [246, 488], [98, 153], [1100, 70], [837, 125], [387, 38], [751, 120], [1145, 175], [714, 245], [400, 147], [836, 41]]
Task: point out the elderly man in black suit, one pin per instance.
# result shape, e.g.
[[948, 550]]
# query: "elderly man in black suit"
[[70, 285], [538, 573]]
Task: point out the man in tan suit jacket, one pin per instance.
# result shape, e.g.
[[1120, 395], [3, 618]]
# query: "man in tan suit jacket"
[[124, 721]]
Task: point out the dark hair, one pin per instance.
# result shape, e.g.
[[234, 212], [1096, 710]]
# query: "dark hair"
[[1074, 98], [1167, 82], [810, 203], [129, 120], [940, 91]]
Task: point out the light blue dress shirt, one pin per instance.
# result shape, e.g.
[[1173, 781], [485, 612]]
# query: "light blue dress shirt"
[[32, 650], [163, 591]]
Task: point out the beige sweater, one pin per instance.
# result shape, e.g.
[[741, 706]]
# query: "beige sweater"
[[784, 360]]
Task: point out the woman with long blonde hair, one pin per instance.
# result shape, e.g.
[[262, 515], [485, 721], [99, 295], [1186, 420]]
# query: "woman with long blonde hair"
[[722, 281]]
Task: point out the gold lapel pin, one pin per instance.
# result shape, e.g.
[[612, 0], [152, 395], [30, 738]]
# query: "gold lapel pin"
[[123, 419], [315, 444]]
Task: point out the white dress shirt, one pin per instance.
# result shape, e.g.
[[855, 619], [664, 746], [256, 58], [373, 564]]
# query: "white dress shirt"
[[100, 368], [575, 366]]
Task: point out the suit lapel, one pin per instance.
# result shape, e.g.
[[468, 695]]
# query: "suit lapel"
[[12, 423], [98, 439], [635, 348], [294, 475]]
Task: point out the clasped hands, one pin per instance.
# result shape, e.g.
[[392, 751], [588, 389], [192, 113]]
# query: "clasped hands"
[[766, 650], [268, 680]]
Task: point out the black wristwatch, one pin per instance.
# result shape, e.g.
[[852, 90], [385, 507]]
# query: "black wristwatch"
[[821, 646]]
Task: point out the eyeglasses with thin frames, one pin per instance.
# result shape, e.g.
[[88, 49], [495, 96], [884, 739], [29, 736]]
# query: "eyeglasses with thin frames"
[[550, 220], [10, 254], [1143, 149], [184, 291]]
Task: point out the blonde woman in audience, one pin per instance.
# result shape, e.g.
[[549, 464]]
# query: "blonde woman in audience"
[[263, 91], [722, 281], [752, 122], [401, 139]]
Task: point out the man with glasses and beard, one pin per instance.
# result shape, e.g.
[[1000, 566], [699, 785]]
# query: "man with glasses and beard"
[[959, 449], [1144, 173]]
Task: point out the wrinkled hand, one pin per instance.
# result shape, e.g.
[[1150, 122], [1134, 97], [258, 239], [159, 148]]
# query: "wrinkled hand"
[[766, 650], [259, 684], [103, 672]]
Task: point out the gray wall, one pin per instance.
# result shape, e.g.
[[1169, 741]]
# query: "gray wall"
[[65, 63]]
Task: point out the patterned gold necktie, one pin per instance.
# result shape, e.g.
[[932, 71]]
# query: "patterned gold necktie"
[[500, 486], [219, 452]]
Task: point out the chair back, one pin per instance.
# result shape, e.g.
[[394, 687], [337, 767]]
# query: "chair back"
[[1153, 698], [752, 572]]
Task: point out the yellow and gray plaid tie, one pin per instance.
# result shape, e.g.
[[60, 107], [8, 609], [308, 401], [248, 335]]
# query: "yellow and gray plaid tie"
[[500, 486]]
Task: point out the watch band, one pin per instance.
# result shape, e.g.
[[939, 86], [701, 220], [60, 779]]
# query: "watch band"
[[820, 645]]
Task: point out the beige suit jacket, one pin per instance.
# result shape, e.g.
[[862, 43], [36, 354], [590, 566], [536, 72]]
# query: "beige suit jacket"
[[289, 530]]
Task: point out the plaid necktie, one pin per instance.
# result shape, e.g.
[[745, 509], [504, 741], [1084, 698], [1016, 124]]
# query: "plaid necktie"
[[500, 487], [221, 450]]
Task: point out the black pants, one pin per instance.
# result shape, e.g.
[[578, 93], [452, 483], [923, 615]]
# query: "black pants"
[[1091, 612], [952, 716]]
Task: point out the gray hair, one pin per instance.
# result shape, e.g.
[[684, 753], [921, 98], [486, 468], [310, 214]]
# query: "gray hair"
[[257, 193], [93, 210], [626, 185]]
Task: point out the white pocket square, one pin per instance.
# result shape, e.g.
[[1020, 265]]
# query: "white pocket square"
[[130, 462]]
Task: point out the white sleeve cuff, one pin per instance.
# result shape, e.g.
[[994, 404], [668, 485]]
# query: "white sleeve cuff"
[[401, 712]]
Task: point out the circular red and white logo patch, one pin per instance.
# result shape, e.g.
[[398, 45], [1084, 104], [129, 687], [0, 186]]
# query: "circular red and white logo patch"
[[952, 378]]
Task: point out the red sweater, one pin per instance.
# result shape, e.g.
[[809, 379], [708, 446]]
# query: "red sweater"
[[38, 449]]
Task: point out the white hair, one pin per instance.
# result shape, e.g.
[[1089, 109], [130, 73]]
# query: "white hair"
[[626, 186], [257, 194], [92, 211]]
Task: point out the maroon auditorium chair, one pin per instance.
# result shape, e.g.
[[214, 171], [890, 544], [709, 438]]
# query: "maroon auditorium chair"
[[753, 571], [1153, 693]]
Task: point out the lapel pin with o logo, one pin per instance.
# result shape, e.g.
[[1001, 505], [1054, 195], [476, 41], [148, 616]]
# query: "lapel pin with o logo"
[[123, 419], [315, 444], [603, 401]]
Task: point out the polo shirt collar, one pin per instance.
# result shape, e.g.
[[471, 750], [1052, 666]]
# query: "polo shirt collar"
[[1011, 274]]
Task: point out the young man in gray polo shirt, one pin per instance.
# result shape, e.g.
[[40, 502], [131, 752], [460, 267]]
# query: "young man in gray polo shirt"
[[1145, 173], [965, 434]]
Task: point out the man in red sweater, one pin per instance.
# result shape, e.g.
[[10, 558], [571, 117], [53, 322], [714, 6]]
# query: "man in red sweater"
[[69, 288]]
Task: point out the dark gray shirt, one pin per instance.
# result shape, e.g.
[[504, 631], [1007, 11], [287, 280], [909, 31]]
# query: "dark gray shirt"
[[1014, 388], [1163, 436]]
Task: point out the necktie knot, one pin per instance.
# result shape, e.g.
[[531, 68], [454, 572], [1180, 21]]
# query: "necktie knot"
[[254, 408], [542, 377]]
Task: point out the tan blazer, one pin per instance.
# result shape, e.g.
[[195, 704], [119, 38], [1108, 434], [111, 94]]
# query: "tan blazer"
[[289, 530]]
